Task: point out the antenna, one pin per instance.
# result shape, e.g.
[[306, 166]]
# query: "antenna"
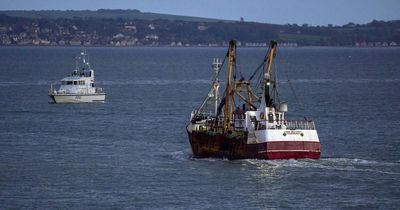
[[216, 65]]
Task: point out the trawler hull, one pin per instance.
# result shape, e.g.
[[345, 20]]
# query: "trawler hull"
[[246, 124], [77, 98], [233, 146]]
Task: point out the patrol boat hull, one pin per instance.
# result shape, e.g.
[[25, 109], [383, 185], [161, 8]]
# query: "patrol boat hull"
[[78, 98]]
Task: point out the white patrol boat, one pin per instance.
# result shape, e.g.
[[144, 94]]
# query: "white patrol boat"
[[79, 87]]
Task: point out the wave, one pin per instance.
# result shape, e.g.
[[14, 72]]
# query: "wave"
[[26, 83], [339, 164], [188, 155], [181, 155], [154, 82], [355, 81], [198, 81], [107, 83], [17, 134], [24, 111]]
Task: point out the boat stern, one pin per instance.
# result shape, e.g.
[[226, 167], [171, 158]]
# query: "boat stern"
[[291, 144]]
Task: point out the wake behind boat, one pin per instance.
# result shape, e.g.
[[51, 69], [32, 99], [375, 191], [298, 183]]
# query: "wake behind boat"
[[246, 124], [79, 87]]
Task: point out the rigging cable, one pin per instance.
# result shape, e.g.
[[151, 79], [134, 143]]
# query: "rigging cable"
[[222, 64], [301, 106], [260, 77], [262, 64], [261, 73], [275, 86], [235, 72]]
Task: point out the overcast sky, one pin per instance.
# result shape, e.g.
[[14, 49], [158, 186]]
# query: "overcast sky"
[[314, 12]]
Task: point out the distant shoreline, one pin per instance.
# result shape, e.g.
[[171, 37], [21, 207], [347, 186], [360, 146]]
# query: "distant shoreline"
[[132, 28], [188, 47]]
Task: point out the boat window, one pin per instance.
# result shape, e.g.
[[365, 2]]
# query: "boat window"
[[270, 117], [83, 82], [92, 84], [69, 83], [75, 82]]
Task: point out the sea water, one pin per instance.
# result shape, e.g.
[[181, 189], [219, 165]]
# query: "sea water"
[[133, 151]]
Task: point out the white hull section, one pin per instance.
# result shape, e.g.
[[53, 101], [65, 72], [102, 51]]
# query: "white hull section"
[[272, 135], [75, 98]]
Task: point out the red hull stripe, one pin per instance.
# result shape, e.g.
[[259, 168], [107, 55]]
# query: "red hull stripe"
[[289, 151]]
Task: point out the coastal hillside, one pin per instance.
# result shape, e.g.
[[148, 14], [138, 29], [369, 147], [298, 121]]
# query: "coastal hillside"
[[135, 28], [101, 13]]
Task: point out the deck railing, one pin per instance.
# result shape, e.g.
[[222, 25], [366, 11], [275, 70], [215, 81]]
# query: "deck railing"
[[239, 124], [300, 124], [290, 124]]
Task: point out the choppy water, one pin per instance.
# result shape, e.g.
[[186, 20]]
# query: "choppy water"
[[132, 151]]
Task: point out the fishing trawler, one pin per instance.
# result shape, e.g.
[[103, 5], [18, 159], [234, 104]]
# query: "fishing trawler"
[[242, 124], [79, 87]]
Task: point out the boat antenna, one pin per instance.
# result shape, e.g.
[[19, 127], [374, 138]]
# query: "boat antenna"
[[220, 66], [212, 88], [76, 63]]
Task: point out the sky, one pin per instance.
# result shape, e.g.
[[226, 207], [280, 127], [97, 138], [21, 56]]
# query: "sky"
[[312, 12]]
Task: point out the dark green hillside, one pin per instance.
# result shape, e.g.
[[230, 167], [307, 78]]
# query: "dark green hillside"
[[135, 28], [102, 13]]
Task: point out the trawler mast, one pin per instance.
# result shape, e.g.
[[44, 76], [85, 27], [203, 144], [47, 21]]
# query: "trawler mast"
[[267, 100], [228, 91]]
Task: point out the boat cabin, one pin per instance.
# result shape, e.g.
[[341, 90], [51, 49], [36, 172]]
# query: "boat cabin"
[[83, 73], [79, 82]]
